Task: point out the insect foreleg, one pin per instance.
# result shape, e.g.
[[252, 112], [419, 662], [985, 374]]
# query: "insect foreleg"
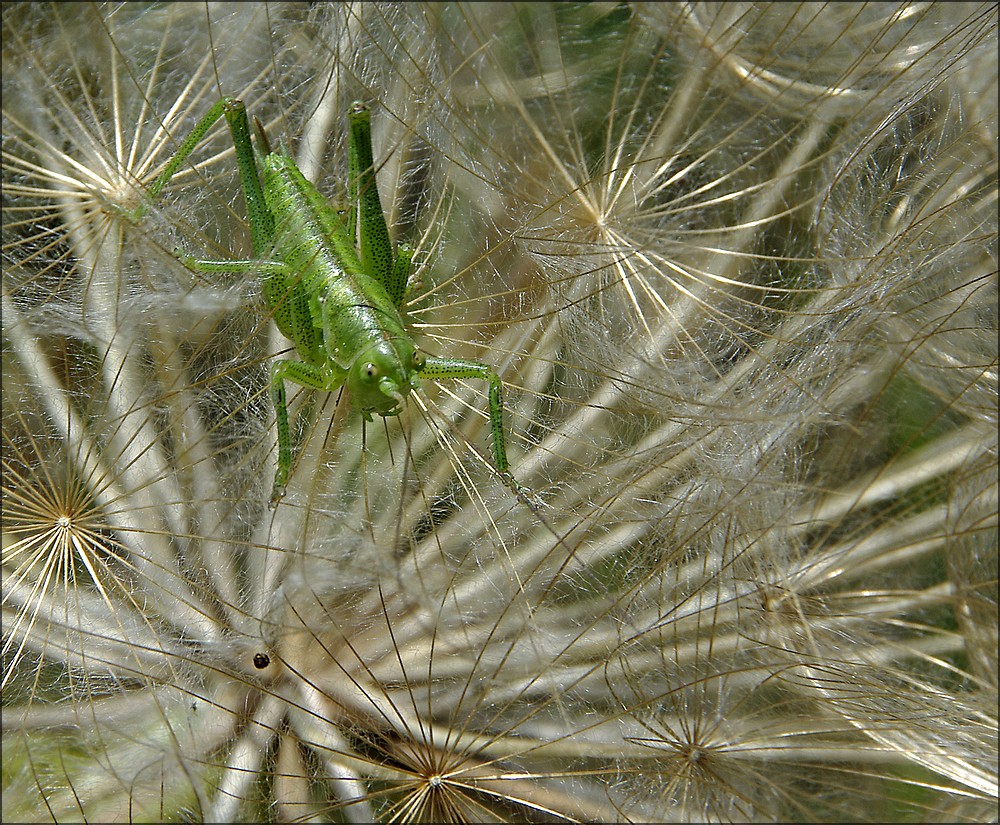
[[458, 368]]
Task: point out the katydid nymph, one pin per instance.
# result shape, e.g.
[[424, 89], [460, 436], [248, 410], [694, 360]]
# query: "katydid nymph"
[[333, 282]]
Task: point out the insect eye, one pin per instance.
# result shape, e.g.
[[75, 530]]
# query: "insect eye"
[[419, 361], [371, 371], [261, 660]]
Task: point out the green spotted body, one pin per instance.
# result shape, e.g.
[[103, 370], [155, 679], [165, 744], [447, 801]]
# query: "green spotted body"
[[325, 303], [333, 282]]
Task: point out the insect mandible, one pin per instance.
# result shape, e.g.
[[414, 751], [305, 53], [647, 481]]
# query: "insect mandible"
[[333, 282]]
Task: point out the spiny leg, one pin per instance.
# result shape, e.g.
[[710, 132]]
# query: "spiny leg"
[[260, 217], [305, 375], [185, 149], [459, 368], [366, 220], [261, 220], [232, 267], [396, 288], [288, 308]]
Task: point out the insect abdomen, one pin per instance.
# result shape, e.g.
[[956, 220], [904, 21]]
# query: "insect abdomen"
[[311, 238]]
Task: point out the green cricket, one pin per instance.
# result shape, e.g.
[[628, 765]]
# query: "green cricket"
[[332, 281]]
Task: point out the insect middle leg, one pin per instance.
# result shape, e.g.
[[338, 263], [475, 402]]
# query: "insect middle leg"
[[320, 377], [306, 375]]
